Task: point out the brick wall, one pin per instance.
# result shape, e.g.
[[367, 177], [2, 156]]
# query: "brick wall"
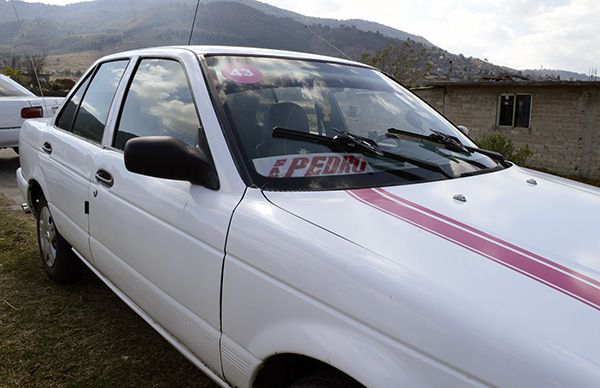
[[564, 131]]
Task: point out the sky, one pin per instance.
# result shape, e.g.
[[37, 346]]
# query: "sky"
[[522, 34]]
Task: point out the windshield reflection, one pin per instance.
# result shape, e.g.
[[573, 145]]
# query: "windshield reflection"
[[320, 98]]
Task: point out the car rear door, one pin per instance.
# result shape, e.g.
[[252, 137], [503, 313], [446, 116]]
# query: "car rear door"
[[71, 146], [160, 241]]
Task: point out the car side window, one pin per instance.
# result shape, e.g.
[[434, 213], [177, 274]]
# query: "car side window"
[[158, 103], [91, 116], [65, 119]]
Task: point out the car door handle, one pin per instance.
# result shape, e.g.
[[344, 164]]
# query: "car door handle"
[[47, 148], [104, 178]]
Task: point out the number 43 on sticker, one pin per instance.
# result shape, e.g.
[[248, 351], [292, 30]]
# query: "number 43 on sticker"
[[242, 73]]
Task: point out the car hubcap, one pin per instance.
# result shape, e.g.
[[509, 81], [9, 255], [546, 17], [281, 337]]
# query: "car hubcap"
[[47, 237]]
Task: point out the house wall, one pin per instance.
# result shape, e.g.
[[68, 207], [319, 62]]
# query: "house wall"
[[564, 131]]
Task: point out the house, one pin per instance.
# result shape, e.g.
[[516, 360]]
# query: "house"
[[558, 120]]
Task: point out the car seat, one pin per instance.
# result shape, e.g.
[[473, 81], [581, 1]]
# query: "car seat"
[[286, 115]]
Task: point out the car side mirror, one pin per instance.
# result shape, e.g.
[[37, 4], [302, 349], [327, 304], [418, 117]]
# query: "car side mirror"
[[464, 130], [170, 158]]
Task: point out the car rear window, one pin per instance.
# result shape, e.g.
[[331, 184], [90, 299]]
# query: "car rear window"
[[93, 111], [10, 88]]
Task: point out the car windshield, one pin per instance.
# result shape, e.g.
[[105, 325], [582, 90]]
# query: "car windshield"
[[9, 88], [311, 125]]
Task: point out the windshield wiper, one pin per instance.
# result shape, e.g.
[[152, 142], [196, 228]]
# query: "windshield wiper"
[[364, 142], [361, 142], [451, 142]]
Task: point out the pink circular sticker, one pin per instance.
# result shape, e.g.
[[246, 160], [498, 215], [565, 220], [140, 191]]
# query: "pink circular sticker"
[[242, 73]]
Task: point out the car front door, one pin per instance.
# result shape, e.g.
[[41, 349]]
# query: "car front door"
[[161, 242], [71, 147]]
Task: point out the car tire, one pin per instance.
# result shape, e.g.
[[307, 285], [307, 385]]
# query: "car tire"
[[59, 261], [16, 149], [326, 381]]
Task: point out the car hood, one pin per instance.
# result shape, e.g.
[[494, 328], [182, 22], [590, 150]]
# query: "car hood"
[[537, 225], [514, 255]]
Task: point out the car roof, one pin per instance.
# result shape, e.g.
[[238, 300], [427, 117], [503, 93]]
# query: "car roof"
[[233, 50]]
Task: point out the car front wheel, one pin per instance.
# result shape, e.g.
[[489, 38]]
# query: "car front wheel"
[[58, 260]]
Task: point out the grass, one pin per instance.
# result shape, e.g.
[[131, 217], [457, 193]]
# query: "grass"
[[73, 335]]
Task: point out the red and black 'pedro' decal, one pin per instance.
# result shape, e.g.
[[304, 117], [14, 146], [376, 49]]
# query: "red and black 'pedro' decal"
[[565, 280]]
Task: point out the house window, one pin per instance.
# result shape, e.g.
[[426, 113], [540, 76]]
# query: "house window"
[[514, 110]]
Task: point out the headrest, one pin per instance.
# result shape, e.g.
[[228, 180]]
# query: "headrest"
[[287, 115]]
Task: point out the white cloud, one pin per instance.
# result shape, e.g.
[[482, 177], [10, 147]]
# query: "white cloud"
[[517, 33]]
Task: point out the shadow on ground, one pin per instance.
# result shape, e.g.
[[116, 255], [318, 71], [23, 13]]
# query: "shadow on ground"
[[9, 162]]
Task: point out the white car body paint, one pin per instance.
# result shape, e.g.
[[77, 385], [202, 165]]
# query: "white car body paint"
[[10, 111], [394, 286], [490, 310]]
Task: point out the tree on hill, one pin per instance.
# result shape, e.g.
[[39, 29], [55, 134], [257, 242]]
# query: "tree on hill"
[[407, 62], [22, 69]]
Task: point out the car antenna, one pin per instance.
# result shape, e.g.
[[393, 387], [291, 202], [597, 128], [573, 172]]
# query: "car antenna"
[[325, 40], [37, 79], [193, 22]]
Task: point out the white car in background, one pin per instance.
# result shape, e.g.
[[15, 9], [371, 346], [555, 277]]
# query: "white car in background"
[[287, 219], [17, 104]]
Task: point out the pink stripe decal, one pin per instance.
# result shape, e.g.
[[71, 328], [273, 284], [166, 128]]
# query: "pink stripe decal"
[[488, 236], [560, 278]]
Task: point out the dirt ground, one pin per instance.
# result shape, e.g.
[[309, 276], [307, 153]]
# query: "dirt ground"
[[9, 162]]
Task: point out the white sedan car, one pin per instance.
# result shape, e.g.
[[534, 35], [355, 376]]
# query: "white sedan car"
[[17, 104], [287, 219]]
